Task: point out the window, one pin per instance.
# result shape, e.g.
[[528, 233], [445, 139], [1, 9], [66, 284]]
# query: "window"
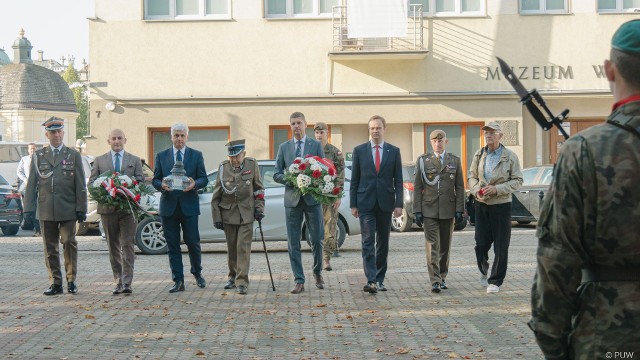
[[544, 7], [187, 9], [282, 133], [211, 141], [450, 7], [299, 8], [618, 6]]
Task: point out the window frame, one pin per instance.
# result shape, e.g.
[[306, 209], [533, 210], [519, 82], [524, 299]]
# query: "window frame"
[[316, 14], [202, 15], [456, 13], [543, 9], [618, 10], [273, 147]]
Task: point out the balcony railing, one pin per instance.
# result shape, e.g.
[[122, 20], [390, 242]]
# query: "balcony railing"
[[412, 42]]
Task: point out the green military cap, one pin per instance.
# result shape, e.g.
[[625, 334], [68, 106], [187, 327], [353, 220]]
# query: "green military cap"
[[437, 134], [53, 123], [235, 147], [321, 126], [627, 38]]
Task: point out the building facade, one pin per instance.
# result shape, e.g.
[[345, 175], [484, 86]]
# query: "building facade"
[[237, 69]]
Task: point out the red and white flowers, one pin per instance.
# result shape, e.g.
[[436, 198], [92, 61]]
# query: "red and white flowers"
[[316, 176]]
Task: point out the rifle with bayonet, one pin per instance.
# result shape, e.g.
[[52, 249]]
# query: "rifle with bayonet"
[[528, 97]]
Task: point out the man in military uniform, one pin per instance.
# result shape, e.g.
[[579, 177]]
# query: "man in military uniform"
[[585, 300], [57, 183], [238, 200], [330, 212], [438, 198]]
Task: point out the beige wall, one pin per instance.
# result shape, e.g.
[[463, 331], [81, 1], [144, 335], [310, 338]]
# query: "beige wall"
[[250, 73]]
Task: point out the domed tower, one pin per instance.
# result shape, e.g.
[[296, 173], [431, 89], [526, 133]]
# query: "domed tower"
[[4, 58], [29, 94]]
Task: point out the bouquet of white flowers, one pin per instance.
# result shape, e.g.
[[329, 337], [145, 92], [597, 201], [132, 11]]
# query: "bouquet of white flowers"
[[123, 193], [316, 176]]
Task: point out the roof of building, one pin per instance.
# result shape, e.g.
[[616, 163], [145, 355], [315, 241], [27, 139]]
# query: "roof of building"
[[4, 58], [28, 86]]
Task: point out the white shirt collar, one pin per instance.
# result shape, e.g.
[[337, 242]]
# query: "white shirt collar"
[[59, 148], [374, 144], [304, 140], [121, 152]]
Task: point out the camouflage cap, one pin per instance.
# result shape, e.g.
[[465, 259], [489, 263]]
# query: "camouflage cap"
[[53, 123], [492, 126], [235, 147], [627, 38], [437, 134], [321, 126]]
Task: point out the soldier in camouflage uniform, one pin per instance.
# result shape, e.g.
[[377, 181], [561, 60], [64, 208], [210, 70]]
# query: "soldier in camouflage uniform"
[[238, 200], [330, 212], [586, 293], [57, 183]]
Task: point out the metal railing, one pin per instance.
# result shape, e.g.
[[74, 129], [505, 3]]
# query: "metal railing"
[[413, 40]]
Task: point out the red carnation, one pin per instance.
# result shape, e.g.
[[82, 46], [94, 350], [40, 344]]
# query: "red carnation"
[[297, 161], [316, 173], [135, 182], [481, 192], [332, 171], [302, 167], [336, 191], [308, 156], [125, 184], [259, 196], [137, 199]]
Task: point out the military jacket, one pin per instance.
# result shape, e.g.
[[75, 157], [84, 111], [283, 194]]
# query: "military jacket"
[[438, 188], [334, 154], [59, 186], [237, 193], [589, 219]]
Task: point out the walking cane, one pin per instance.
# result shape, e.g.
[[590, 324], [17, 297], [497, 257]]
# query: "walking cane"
[[264, 245]]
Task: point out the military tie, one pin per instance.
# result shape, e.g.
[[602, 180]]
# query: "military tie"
[[179, 156], [299, 148], [117, 167], [56, 152]]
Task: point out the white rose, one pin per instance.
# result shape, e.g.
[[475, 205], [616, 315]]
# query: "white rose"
[[125, 179], [315, 167], [98, 182], [312, 161], [327, 178]]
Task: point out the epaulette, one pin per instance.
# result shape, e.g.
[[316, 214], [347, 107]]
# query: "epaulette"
[[224, 162]]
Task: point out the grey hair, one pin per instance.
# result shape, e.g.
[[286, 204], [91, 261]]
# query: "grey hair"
[[179, 127]]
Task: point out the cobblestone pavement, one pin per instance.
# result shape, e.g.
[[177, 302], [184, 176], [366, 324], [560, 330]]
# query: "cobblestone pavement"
[[340, 322]]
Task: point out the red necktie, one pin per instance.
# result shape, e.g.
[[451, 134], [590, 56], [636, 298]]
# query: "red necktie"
[[377, 159]]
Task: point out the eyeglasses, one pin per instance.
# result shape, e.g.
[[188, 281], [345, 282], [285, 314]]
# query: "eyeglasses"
[[490, 133]]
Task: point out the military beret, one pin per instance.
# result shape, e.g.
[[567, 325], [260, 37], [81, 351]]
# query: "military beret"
[[235, 147], [627, 38], [437, 134], [321, 126], [53, 123]]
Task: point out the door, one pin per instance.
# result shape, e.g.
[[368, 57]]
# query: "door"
[[571, 127]]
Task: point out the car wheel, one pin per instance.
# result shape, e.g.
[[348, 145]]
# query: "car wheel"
[[150, 237], [341, 234], [401, 223], [10, 230], [521, 222], [461, 225]]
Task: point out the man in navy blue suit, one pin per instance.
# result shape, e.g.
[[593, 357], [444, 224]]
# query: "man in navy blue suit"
[[295, 207], [180, 209], [376, 194]]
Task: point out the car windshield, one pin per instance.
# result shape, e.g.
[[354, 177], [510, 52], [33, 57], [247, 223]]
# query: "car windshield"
[[529, 175], [3, 181], [547, 176]]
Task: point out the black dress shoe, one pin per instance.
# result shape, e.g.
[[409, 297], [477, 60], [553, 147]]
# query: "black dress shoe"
[[177, 286], [72, 288], [319, 281], [381, 286], [200, 282], [54, 289], [230, 285], [242, 290], [443, 285], [435, 287], [370, 288], [117, 290], [126, 289]]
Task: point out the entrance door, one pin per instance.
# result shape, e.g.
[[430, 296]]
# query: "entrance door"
[[571, 127]]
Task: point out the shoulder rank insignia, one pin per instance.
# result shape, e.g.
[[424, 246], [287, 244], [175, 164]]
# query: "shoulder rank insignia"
[[246, 172]]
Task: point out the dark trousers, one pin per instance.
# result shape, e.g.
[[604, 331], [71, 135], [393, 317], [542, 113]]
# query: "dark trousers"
[[313, 217], [493, 226], [171, 226], [376, 227]]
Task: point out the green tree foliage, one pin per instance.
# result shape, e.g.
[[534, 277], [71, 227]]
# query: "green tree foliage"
[[70, 75]]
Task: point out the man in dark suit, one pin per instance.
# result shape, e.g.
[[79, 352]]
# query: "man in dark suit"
[[295, 206], [119, 225], [376, 194], [180, 209], [57, 184]]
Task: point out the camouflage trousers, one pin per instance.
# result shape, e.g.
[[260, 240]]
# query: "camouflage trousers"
[[330, 215]]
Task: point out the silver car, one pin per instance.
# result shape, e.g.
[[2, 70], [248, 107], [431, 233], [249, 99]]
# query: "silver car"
[[150, 237]]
